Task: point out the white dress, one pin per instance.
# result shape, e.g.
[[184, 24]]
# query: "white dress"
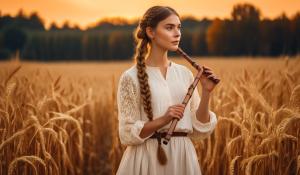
[[140, 156]]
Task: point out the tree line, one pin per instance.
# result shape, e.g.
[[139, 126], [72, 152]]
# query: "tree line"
[[245, 33]]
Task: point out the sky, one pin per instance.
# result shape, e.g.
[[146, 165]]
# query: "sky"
[[88, 12]]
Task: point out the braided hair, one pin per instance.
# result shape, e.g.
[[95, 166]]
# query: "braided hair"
[[151, 18]]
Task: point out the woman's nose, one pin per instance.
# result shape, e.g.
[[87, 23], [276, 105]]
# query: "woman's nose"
[[177, 33]]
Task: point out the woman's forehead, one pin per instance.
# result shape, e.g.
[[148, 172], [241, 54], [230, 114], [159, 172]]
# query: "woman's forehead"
[[171, 20]]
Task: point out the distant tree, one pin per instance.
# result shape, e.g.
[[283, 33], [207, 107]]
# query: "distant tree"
[[36, 22], [33, 22], [113, 24], [199, 45], [14, 39], [245, 12], [5, 21], [66, 26], [20, 20], [53, 26], [220, 39], [280, 36], [76, 27], [186, 41], [21, 14], [214, 37], [117, 48], [265, 37], [189, 22], [295, 28], [246, 20]]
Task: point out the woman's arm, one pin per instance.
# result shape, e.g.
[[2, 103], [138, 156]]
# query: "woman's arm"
[[204, 120], [151, 126], [175, 111], [202, 113]]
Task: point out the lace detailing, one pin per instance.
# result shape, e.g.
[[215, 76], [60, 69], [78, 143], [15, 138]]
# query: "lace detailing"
[[129, 115]]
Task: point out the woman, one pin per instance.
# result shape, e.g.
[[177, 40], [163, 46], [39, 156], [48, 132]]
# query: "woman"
[[149, 97]]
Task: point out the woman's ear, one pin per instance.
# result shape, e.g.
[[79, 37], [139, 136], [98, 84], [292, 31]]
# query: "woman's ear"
[[150, 32]]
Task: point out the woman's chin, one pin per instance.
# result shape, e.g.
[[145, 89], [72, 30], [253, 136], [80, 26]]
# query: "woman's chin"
[[173, 48]]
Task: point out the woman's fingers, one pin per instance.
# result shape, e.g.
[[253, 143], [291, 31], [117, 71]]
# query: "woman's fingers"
[[208, 71], [206, 68], [179, 108], [175, 111], [179, 105], [178, 112], [212, 77], [176, 117]]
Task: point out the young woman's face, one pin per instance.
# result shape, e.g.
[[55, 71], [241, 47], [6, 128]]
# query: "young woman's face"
[[167, 33]]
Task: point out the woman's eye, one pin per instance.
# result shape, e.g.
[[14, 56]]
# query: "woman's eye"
[[170, 28]]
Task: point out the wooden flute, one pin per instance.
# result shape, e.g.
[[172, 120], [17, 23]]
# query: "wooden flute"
[[190, 90]]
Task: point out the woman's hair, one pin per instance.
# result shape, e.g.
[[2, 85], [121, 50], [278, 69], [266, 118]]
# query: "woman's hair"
[[151, 18]]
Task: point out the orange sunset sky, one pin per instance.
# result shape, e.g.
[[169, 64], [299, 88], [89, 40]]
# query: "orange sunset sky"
[[86, 12]]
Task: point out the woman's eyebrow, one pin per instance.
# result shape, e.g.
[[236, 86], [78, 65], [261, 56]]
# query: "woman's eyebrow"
[[172, 24]]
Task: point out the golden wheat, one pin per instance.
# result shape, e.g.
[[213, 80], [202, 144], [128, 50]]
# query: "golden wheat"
[[56, 120]]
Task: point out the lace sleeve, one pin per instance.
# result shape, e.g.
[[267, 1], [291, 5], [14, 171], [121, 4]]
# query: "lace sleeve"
[[200, 130], [130, 123]]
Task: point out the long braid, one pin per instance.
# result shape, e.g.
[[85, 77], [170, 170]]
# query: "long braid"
[[142, 50], [143, 78]]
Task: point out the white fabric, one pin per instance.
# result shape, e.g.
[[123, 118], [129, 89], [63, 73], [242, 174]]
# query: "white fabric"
[[140, 157]]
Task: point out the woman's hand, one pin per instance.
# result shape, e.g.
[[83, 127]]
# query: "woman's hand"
[[207, 84], [174, 111]]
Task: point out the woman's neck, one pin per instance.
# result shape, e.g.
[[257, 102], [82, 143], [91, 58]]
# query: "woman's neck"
[[157, 57]]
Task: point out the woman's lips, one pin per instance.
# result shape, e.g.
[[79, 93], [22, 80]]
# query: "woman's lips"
[[175, 42]]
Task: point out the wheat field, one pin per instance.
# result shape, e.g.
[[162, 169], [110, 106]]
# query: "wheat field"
[[61, 118]]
